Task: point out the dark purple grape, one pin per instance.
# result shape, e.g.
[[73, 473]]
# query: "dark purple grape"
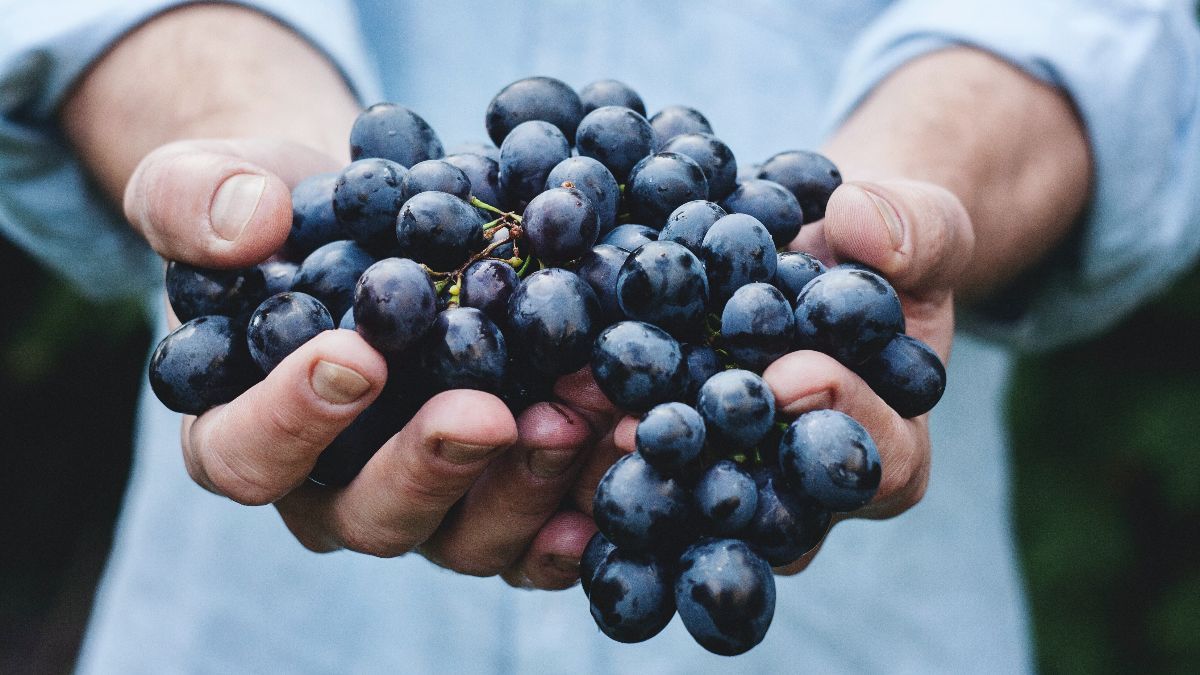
[[523, 386], [773, 206], [596, 551], [367, 198], [394, 304], [487, 286], [757, 326], [553, 319], [347, 320], [533, 98], [637, 365], [809, 176], [314, 223], [505, 248], [560, 225], [393, 132], [738, 408], [278, 276], [281, 324], [738, 250], [794, 271], [201, 364], [783, 528], [689, 223], [725, 595], [726, 498], [195, 291], [527, 156], [438, 229], [599, 268], [595, 181], [435, 175], [670, 436], [676, 120], [640, 509], [907, 375], [610, 92], [663, 283], [714, 157], [476, 148], [828, 458], [483, 173], [849, 314], [330, 273], [630, 236], [632, 597], [465, 350], [617, 137], [700, 363], [661, 183]]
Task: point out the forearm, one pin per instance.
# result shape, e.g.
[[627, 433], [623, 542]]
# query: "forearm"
[[205, 71], [1009, 147]]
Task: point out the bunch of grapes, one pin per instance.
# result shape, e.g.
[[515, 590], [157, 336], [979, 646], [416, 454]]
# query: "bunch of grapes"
[[592, 236]]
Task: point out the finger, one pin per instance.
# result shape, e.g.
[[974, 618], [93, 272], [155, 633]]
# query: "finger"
[[218, 203], [262, 444], [604, 454], [807, 380], [502, 512], [798, 566], [580, 391], [408, 486], [552, 561]]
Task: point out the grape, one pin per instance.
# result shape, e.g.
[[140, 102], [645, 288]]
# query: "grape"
[[560, 225], [714, 158], [637, 365], [639, 509], [483, 172], [794, 271], [281, 324], [828, 457], [330, 273], [553, 318], [201, 364], [394, 304], [487, 285], [528, 154], [465, 350], [773, 206], [689, 223], [676, 120], [738, 408], [366, 199], [278, 276], [663, 283], [630, 236], [610, 92], [661, 183], [533, 98], [599, 267], [726, 498], [617, 137], [486, 150], [737, 250], [393, 132], [809, 176], [783, 528], [347, 321], [670, 436], [757, 326], [597, 549], [906, 374], [594, 181], [700, 363], [314, 223], [195, 292], [435, 175], [725, 595], [849, 314], [438, 229], [350, 451], [632, 598]]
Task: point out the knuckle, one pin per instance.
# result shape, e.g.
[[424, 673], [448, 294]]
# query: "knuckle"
[[374, 541], [302, 430], [240, 483]]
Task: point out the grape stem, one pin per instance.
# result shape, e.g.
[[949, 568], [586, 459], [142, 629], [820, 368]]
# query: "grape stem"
[[480, 204]]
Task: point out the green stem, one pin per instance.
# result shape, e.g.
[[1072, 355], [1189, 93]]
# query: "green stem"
[[480, 204]]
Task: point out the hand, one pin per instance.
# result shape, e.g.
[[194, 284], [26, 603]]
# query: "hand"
[[226, 204]]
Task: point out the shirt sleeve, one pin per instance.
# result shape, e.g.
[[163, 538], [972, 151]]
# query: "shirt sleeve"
[[48, 206], [1130, 68]]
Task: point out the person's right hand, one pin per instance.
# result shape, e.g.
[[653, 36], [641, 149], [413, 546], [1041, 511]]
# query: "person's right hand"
[[227, 204]]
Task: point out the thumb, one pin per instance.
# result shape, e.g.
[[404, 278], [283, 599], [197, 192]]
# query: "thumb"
[[218, 203], [917, 234]]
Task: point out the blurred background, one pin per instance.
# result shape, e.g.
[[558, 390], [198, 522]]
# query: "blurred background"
[[1107, 466]]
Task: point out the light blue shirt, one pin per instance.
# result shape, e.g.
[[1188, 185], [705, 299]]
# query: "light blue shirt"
[[199, 584]]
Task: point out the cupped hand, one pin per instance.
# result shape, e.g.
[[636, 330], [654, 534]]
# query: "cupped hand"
[[464, 483]]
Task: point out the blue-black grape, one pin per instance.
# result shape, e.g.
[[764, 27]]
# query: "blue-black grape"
[[632, 596], [465, 350], [726, 498], [670, 436], [907, 374], [533, 98], [596, 551], [195, 291], [783, 527], [737, 250], [394, 304], [757, 326], [639, 509], [560, 225], [849, 314], [637, 365], [794, 271], [482, 172], [330, 273], [661, 183], [700, 363], [314, 223], [528, 154], [438, 229], [610, 92], [393, 132], [599, 267], [676, 120], [725, 594], [487, 285], [487, 150], [435, 175], [738, 408], [347, 321], [278, 276], [553, 319], [630, 236], [201, 364], [281, 324], [366, 199], [689, 223], [617, 137], [714, 157], [595, 181], [828, 458], [663, 283], [809, 176], [773, 206]]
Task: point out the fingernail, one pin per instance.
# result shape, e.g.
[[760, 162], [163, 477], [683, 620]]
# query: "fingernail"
[[463, 453], [890, 217], [338, 384], [235, 203], [565, 564], [549, 463]]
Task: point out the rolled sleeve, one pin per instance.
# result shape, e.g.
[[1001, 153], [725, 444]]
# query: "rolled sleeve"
[[48, 206], [1131, 71]]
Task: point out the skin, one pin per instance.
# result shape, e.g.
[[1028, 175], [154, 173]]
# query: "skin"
[[948, 196]]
